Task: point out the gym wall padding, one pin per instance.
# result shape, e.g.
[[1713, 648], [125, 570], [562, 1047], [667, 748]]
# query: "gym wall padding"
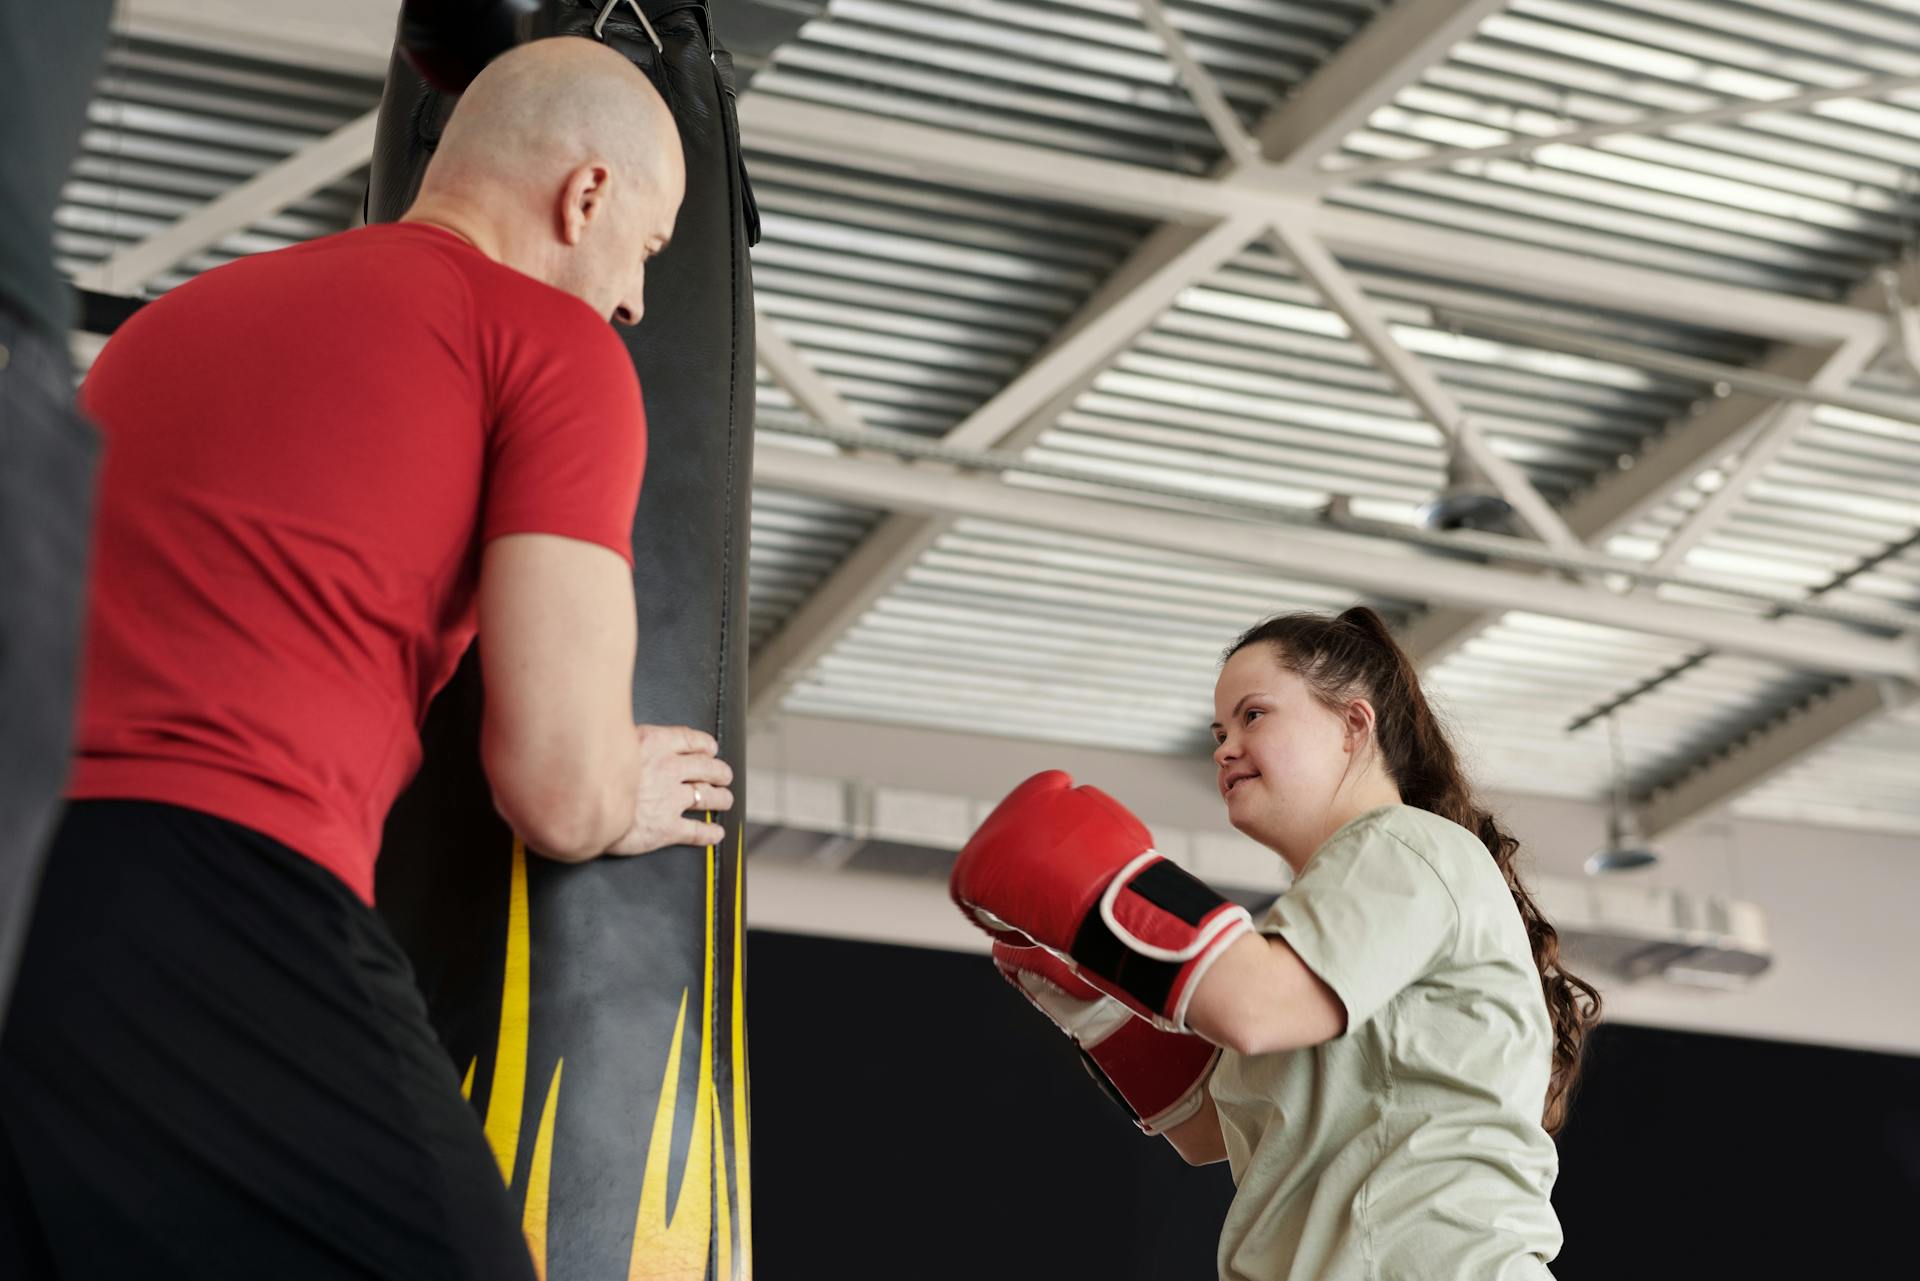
[[955, 1137], [595, 1011], [917, 1120]]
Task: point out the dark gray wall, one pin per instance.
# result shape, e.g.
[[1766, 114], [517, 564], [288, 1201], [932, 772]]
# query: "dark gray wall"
[[913, 1119]]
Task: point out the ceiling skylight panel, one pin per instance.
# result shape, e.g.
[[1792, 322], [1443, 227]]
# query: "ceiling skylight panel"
[[1752, 164], [1736, 67], [1897, 511], [1556, 72], [949, 101], [1543, 199], [1184, 467], [1266, 52], [838, 256], [1893, 23], [1015, 41], [1893, 47], [1631, 56]]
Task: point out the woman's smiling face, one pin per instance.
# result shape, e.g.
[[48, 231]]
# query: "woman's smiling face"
[[1281, 754]]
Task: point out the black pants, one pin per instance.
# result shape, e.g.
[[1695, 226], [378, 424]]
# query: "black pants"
[[217, 1065], [47, 456]]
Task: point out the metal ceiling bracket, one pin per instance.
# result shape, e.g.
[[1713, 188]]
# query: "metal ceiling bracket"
[[1903, 322]]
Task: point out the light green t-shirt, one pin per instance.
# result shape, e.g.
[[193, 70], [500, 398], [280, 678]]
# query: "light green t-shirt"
[[1410, 1146]]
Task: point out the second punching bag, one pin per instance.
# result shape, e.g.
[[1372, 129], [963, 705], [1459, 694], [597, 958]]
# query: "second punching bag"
[[595, 1010]]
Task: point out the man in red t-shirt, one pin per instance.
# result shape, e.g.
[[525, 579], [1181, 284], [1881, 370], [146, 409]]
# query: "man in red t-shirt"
[[326, 468]]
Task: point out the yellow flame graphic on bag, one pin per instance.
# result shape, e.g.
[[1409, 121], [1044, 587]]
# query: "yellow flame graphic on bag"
[[676, 1247], [509, 1087]]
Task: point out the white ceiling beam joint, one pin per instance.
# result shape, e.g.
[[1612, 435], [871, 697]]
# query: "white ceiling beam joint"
[[1202, 87], [1722, 426], [1191, 242], [1417, 382], [1010, 420], [1769, 442], [1367, 72], [1098, 336], [1724, 378], [794, 373], [879, 144], [882, 144]]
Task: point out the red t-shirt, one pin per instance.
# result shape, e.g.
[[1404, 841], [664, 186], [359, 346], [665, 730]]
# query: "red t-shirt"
[[305, 451]]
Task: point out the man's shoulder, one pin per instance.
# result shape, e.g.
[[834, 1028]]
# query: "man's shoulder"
[[530, 312], [373, 268], [525, 321]]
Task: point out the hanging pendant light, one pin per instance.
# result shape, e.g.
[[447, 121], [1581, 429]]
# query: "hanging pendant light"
[[1468, 500], [1626, 849]]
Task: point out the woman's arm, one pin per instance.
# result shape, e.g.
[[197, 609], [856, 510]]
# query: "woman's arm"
[[1198, 1139], [1259, 997]]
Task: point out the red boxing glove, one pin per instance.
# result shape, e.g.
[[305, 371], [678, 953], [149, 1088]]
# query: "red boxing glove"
[[1159, 1077], [1069, 869]]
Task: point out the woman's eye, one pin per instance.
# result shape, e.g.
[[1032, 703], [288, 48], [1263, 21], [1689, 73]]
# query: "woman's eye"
[[1251, 713]]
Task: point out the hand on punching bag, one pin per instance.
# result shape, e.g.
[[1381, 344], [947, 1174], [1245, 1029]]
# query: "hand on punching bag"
[[680, 770], [449, 42]]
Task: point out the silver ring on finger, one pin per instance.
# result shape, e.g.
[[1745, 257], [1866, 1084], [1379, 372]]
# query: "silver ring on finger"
[[696, 797]]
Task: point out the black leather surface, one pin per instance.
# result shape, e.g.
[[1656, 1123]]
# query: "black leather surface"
[[616, 944], [449, 42]]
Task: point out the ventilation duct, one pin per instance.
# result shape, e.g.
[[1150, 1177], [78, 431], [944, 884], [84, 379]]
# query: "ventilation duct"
[[838, 855], [1639, 932]]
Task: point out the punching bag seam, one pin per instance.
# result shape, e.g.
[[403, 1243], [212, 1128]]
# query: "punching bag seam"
[[730, 139]]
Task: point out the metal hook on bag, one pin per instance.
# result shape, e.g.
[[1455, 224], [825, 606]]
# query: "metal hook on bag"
[[600, 23]]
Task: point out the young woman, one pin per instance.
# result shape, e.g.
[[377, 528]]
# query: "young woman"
[[1397, 1039]]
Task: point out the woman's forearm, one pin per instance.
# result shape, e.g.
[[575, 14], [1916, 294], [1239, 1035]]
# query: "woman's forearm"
[[1260, 998]]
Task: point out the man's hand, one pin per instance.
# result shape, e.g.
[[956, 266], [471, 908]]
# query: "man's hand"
[[680, 770]]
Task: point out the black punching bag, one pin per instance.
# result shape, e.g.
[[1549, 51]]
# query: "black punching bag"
[[595, 1011]]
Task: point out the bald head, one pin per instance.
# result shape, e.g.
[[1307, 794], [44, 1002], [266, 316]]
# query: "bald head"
[[562, 161]]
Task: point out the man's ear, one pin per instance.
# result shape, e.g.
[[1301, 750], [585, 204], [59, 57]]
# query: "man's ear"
[[582, 199]]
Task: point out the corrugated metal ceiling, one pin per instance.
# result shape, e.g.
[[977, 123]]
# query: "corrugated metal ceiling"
[[1802, 202], [1082, 75], [172, 127], [1866, 781], [1005, 630], [919, 302], [1250, 386]]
